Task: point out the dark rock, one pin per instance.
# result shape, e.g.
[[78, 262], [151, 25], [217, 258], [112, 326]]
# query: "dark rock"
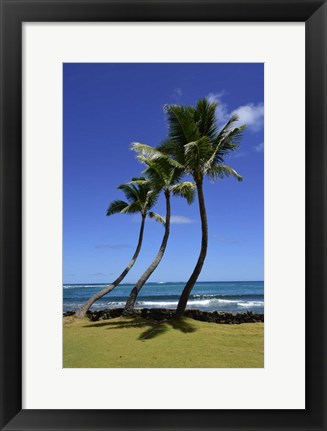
[[68, 313], [164, 314]]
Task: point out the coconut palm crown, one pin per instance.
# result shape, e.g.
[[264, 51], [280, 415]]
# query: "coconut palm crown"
[[195, 142], [140, 196]]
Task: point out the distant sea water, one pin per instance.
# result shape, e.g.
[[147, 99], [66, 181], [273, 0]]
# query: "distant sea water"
[[229, 296]]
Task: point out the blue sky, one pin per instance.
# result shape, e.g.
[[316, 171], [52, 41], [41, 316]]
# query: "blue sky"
[[108, 106]]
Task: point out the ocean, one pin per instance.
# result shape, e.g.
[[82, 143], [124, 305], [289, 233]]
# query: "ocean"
[[229, 296]]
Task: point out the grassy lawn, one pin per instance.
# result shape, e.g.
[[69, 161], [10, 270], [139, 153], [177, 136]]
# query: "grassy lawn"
[[138, 343]]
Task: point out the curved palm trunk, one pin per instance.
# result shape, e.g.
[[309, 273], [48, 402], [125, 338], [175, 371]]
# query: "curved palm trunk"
[[204, 246], [129, 307], [83, 310]]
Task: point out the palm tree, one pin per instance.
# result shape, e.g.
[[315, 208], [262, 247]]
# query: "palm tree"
[[140, 199], [196, 144], [163, 175]]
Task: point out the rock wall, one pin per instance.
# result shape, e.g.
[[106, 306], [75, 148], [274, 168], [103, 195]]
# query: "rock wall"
[[162, 314]]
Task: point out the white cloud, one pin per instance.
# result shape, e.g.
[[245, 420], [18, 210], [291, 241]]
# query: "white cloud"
[[222, 114], [250, 114], [215, 97], [181, 220], [259, 148]]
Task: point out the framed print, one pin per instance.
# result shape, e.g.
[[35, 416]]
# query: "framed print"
[[81, 81]]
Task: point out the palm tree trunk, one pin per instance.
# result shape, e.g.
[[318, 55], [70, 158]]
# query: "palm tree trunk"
[[204, 246], [129, 307], [83, 310]]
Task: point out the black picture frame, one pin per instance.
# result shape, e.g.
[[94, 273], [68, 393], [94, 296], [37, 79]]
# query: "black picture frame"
[[13, 14]]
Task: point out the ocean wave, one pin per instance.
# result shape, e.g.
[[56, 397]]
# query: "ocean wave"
[[252, 304], [202, 303], [156, 303], [226, 295]]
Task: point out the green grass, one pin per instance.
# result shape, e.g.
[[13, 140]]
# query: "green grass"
[[138, 343]]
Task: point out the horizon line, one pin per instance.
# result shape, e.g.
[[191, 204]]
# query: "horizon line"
[[163, 282]]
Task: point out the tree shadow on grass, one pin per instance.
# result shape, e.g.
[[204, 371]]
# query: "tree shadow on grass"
[[153, 328], [182, 325], [128, 323], [153, 331], [161, 328]]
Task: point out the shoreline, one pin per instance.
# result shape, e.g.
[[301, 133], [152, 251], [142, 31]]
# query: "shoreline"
[[165, 314]]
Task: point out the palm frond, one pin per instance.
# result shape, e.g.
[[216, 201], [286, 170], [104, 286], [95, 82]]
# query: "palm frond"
[[152, 197], [132, 208], [233, 119], [222, 171], [185, 190], [157, 217], [172, 149], [177, 176], [148, 154], [138, 179], [147, 151], [182, 128], [116, 206], [233, 136], [197, 153], [163, 171], [157, 176], [143, 185], [229, 143], [142, 159], [141, 181], [205, 118], [130, 191]]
